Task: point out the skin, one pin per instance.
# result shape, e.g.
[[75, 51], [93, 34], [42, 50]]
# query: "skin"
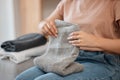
[[48, 28], [80, 39], [84, 40], [93, 43]]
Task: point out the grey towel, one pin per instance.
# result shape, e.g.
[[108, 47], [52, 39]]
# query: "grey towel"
[[60, 55], [24, 42]]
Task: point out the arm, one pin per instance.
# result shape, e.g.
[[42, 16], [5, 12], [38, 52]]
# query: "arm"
[[47, 27], [91, 42], [113, 45], [110, 45]]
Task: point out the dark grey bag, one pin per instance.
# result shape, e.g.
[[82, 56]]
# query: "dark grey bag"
[[60, 55]]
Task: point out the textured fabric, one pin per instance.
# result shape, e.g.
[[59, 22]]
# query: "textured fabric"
[[24, 42], [94, 16], [30, 74], [97, 66], [60, 55], [19, 57]]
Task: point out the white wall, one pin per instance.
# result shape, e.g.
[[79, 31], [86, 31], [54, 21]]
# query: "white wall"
[[10, 25], [7, 31], [17, 18], [48, 7]]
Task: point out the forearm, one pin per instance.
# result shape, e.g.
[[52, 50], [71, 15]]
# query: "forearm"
[[49, 21], [110, 45]]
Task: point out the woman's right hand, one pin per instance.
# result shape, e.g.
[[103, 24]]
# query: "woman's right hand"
[[48, 28]]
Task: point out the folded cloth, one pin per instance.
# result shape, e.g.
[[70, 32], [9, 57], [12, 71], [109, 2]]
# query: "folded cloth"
[[60, 55], [24, 42], [18, 57]]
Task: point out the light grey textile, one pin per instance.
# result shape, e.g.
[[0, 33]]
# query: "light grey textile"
[[22, 56], [60, 55]]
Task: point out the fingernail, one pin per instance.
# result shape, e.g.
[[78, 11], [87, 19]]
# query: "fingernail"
[[56, 35], [71, 34], [56, 31], [68, 38], [70, 41]]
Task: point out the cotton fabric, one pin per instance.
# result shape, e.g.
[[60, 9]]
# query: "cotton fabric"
[[60, 54], [94, 17]]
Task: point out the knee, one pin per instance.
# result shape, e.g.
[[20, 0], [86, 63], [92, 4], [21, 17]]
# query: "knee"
[[19, 78], [22, 77], [29, 74]]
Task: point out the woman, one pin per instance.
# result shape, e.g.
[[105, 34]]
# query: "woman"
[[98, 39]]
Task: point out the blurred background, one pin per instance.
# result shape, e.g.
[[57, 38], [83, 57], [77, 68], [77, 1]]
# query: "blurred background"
[[18, 17]]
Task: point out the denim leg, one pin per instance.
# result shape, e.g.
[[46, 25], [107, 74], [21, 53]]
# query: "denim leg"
[[92, 71], [97, 66], [30, 74], [49, 76]]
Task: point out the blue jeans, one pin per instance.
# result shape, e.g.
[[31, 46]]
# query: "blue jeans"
[[97, 66]]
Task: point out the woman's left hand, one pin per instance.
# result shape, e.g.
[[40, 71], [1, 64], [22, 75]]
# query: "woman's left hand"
[[84, 41]]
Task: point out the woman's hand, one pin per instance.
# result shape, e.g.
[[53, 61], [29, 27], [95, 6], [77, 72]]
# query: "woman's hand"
[[48, 28], [84, 41]]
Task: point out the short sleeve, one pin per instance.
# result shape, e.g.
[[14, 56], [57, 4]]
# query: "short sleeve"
[[117, 10]]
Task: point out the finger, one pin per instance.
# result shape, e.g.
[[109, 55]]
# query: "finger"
[[74, 33], [50, 29], [46, 30], [73, 37], [75, 41], [43, 32], [79, 44], [53, 29]]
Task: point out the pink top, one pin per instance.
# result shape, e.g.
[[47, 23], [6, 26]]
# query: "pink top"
[[93, 16]]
